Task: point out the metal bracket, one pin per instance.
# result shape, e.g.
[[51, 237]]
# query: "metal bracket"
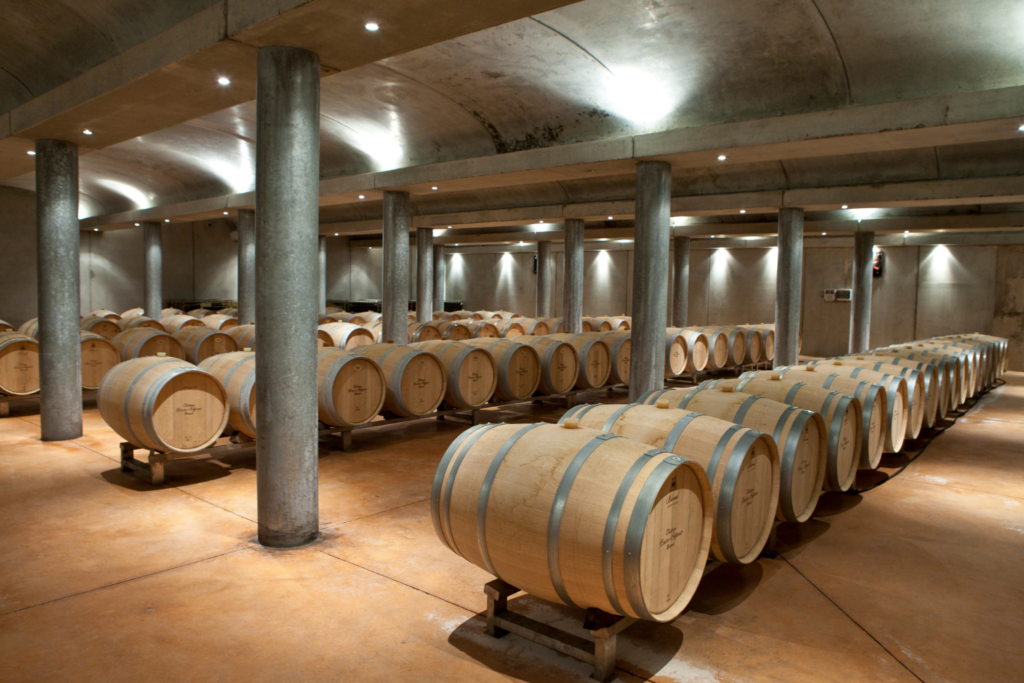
[[604, 627]]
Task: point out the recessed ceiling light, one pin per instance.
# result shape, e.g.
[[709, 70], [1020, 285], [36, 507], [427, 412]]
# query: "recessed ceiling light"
[[362, 196], [1021, 128], [136, 225], [167, 220], [743, 210], [86, 132], [823, 234], [456, 245], [845, 206], [226, 213], [223, 80], [335, 234], [433, 188], [521, 243], [542, 221], [610, 218], [603, 239], [449, 227], [95, 229], [372, 26], [906, 232], [31, 154], [721, 157]]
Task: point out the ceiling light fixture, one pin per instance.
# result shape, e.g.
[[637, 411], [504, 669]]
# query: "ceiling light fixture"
[[721, 157], [362, 196], [224, 80], [86, 132], [743, 210], [449, 227], [167, 220], [823, 234], [31, 154], [136, 225], [226, 213], [434, 188], [906, 232], [372, 26], [95, 229], [1021, 128], [845, 206], [335, 234], [542, 222], [610, 218]]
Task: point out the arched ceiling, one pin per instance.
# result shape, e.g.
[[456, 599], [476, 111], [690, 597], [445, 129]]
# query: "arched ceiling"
[[593, 70]]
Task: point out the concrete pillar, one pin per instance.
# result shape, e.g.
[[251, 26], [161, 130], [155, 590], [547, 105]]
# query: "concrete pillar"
[[287, 225], [246, 266], [572, 286], [860, 310], [395, 325], [545, 274], [322, 270], [152, 286], [424, 275], [789, 286], [57, 234], [680, 281], [650, 277], [440, 271]]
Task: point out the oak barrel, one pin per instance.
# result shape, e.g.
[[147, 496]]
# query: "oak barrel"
[[199, 312], [555, 325], [163, 404], [369, 316], [6, 326], [675, 353], [576, 516], [104, 313], [534, 326], [98, 357], [132, 312], [620, 346], [236, 371], [742, 465], [933, 384], [518, 367], [595, 360], [468, 315], [472, 375], [895, 428], [509, 328], [718, 347], [696, 347], [451, 329], [488, 315], [30, 328], [948, 367], [131, 323], [798, 434], [143, 341], [598, 325], [244, 336], [414, 379], [559, 363], [199, 343], [912, 390], [767, 333], [105, 328], [482, 329], [351, 388], [736, 339], [219, 321], [168, 312], [842, 414], [348, 335], [175, 322], [346, 317], [19, 364]]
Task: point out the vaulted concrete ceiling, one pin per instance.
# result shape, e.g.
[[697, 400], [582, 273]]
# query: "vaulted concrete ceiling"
[[610, 70]]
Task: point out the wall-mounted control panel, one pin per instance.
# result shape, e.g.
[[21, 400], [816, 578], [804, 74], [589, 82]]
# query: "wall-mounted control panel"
[[840, 295]]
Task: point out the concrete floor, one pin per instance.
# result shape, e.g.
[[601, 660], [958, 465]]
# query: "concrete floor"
[[103, 578]]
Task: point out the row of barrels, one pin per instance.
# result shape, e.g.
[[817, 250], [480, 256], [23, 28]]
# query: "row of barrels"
[[628, 501]]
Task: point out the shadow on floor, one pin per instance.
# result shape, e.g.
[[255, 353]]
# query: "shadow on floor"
[[791, 538], [725, 588]]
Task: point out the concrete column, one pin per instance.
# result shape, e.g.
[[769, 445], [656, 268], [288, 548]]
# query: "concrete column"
[[789, 286], [440, 271], [287, 225], [572, 286], [545, 274], [860, 310], [680, 281], [322, 269], [395, 325], [152, 287], [424, 275], [650, 277], [57, 234], [246, 266]]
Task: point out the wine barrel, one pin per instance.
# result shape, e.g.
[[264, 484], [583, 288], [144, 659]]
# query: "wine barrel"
[[346, 317], [236, 371], [412, 316], [351, 390], [799, 435], [914, 372], [176, 322], [595, 360], [742, 464], [978, 354], [969, 362], [547, 509], [451, 330], [947, 366], [368, 316], [675, 353], [6, 326], [199, 313], [414, 379], [168, 312], [482, 329], [132, 312], [324, 340], [163, 404], [896, 411], [507, 315], [986, 353], [913, 391], [509, 328], [488, 315], [754, 344], [615, 322], [767, 334], [718, 347], [30, 328], [19, 364], [233, 312], [130, 324], [347, 335], [220, 322], [598, 325], [444, 316], [534, 326], [468, 315], [103, 327], [199, 343], [1002, 346], [841, 413], [559, 363], [98, 357], [104, 313], [736, 340], [421, 332], [518, 367], [555, 325], [955, 357], [244, 336], [472, 375], [696, 348], [143, 341], [620, 346]]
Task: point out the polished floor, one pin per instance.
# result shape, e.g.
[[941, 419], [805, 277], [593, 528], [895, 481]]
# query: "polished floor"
[[103, 578]]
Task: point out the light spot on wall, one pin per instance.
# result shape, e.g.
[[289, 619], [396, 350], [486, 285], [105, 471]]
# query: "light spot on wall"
[[638, 95], [136, 196]]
